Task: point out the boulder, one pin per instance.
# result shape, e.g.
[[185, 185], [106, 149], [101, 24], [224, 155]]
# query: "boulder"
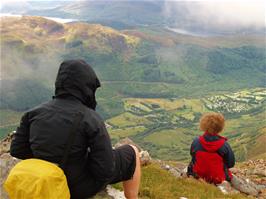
[[245, 186], [226, 188], [7, 162], [257, 171], [175, 172], [114, 193], [5, 144], [145, 158], [165, 167]]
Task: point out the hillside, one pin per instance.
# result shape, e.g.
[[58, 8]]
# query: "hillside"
[[39, 38], [144, 62], [155, 83]]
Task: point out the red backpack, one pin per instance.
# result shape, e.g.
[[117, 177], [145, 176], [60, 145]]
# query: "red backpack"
[[210, 165]]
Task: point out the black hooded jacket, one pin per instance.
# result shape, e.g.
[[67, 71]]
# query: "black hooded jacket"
[[44, 130]]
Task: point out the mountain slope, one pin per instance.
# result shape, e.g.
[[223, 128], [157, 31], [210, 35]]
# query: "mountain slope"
[[139, 63], [144, 62], [143, 72]]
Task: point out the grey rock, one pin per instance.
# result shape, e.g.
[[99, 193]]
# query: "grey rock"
[[226, 188], [175, 172], [184, 172], [116, 194], [5, 144], [145, 158], [7, 162], [259, 172], [245, 186], [165, 167]]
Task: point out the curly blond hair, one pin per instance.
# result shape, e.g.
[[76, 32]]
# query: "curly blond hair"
[[212, 123]]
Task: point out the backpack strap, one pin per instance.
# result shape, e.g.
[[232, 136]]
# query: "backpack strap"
[[70, 139]]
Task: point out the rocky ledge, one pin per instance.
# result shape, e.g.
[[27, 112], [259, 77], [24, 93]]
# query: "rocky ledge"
[[7, 162], [250, 176]]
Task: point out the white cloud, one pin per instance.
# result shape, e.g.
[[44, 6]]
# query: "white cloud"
[[224, 12], [211, 12]]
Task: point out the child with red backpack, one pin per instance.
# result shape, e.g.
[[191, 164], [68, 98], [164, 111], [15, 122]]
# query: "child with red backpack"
[[211, 154], [212, 157]]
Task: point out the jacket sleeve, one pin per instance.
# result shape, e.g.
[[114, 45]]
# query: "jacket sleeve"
[[193, 149], [100, 158], [228, 155], [20, 145], [194, 146]]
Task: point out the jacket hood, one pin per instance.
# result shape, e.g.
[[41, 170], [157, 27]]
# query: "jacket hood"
[[211, 142], [77, 78]]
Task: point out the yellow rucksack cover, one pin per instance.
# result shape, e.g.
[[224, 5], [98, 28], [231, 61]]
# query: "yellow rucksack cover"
[[36, 179]]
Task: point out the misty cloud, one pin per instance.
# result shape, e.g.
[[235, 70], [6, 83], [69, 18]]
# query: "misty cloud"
[[219, 14]]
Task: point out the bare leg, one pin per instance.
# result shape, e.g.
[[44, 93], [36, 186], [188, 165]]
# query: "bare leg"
[[131, 187]]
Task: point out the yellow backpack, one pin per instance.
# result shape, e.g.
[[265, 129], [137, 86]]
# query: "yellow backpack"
[[40, 179]]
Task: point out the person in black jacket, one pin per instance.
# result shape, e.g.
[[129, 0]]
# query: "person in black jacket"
[[92, 163]]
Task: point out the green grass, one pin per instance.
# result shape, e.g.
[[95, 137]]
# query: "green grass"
[[258, 150], [9, 121], [8, 129], [248, 133], [118, 134], [157, 184], [8, 117], [167, 137], [127, 120]]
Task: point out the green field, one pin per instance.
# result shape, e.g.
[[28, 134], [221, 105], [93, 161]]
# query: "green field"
[[166, 127]]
